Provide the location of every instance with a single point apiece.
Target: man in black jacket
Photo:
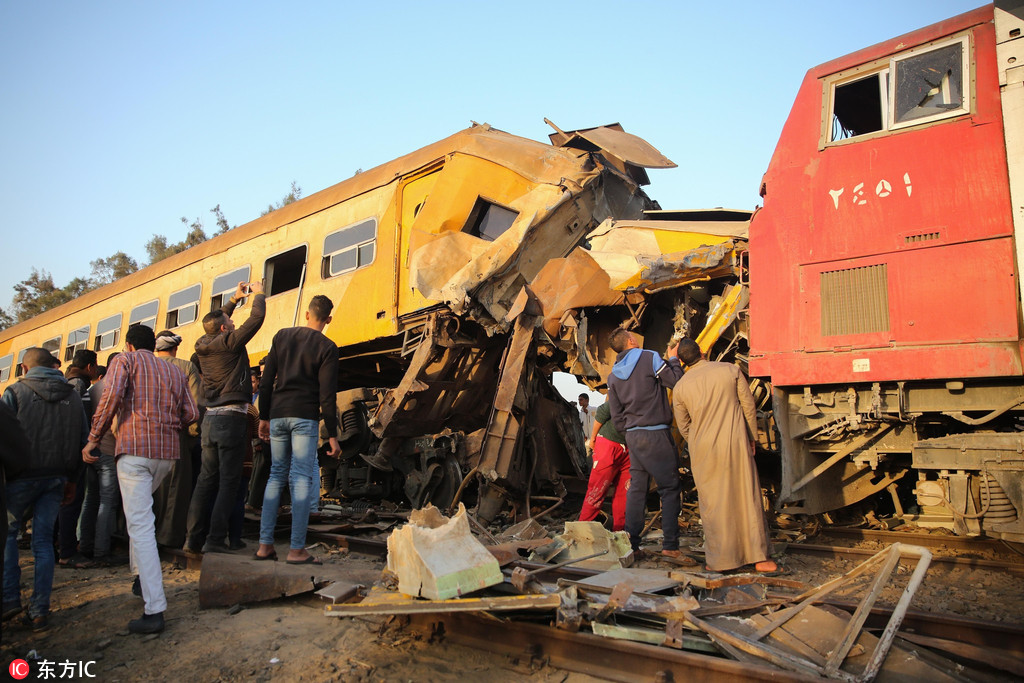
(226, 392)
(82, 373)
(15, 453)
(51, 413)
(297, 387)
(640, 411)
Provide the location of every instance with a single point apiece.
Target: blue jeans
(293, 442)
(44, 495)
(99, 510)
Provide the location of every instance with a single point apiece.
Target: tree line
(38, 292)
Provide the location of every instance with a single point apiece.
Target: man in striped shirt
(152, 403)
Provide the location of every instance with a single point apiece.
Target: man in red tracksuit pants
(611, 468)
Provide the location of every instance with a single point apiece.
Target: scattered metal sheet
(634, 633)
(617, 600)
(228, 579)
(983, 655)
(339, 591)
(815, 633)
(639, 634)
(710, 581)
(527, 530)
(568, 617)
(437, 557)
(399, 603)
(521, 576)
(642, 580)
(587, 538)
(830, 664)
(507, 553)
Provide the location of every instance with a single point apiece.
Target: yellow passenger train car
(480, 210)
(456, 228)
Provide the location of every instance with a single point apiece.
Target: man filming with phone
(226, 392)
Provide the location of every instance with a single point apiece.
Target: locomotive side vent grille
(923, 237)
(855, 300)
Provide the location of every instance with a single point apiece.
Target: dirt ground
(291, 639)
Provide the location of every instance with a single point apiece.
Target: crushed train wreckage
(474, 416)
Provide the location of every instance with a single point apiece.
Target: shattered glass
(929, 84)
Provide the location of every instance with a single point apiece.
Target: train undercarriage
(947, 454)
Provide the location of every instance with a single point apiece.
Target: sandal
(76, 562)
(308, 560)
(272, 557)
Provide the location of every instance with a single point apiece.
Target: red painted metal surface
(951, 297)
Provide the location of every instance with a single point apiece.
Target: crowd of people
(165, 440)
(630, 439)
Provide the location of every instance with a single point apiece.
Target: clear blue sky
(118, 118)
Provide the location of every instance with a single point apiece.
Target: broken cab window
(488, 221)
(858, 107)
(183, 306)
(284, 271)
(5, 367)
(18, 370)
(144, 314)
(349, 248)
(108, 333)
(77, 339)
(916, 87)
(225, 285)
(930, 85)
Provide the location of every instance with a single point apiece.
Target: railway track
(930, 541)
(968, 552)
(1011, 566)
(529, 645)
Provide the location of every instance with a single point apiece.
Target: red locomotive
(885, 292)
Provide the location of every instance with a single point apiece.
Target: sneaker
(148, 623)
(237, 545)
(11, 610)
(137, 587)
(37, 624)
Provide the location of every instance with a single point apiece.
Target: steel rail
(854, 553)
(933, 541)
(608, 658)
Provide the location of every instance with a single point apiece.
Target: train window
(183, 306)
(284, 271)
(108, 333)
(144, 314)
(77, 340)
(53, 346)
(5, 367)
(858, 107)
(488, 221)
(930, 85)
(18, 370)
(349, 248)
(915, 87)
(224, 286)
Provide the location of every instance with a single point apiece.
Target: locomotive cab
(885, 296)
